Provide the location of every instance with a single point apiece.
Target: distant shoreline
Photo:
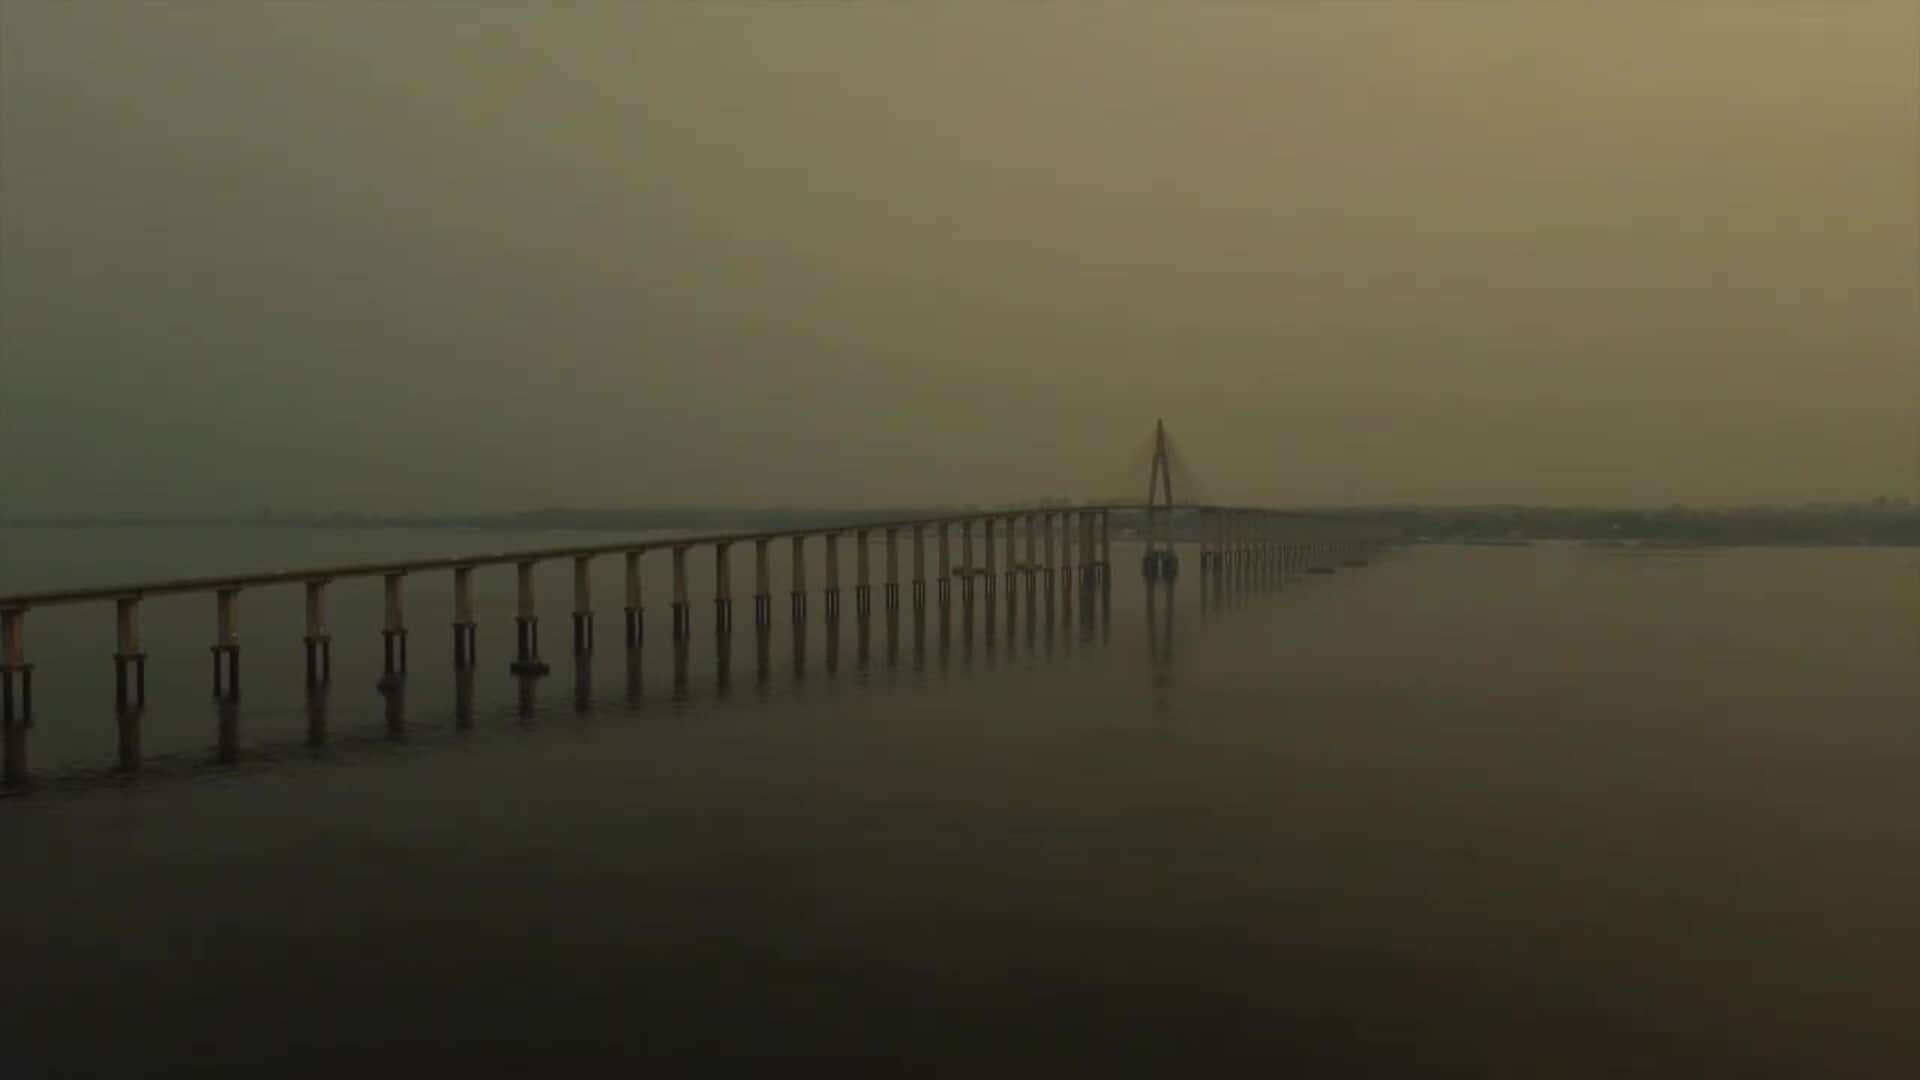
(1894, 524)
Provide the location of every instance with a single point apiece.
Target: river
(1549, 811)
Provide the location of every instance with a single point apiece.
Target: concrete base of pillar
(1160, 566)
(526, 660)
(226, 672)
(129, 681)
(393, 647)
(16, 717)
(464, 645)
(319, 655)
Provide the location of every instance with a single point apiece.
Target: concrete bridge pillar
(833, 579)
(1089, 554)
(1106, 546)
(464, 628)
(863, 588)
(944, 588)
(966, 564)
(682, 610)
(1013, 558)
(129, 680)
(526, 625)
(318, 643)
(582, 605)
(919, 571)
(762, 589)
(799, 569)
(1229, 532)
(1066, 555)
(130, 677)
(893, 571)
(226, 646)
(393, 633)
(634, 599)
(1046, 544)
(16, 697)
(722, 588)
(1247, 552)
(992, 576)
(1030, 568)
(226, 673)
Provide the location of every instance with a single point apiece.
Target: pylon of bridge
(1160, 563)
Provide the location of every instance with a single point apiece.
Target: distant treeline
(1784, 526)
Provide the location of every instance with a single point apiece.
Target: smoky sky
(486, 255)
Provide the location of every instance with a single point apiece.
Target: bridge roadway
(1239, 545)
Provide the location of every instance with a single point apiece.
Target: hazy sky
(407, 255)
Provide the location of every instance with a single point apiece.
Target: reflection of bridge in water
(1034, 572)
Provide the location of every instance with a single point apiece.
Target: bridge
(1050, 561)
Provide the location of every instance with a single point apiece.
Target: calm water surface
(1515, 812)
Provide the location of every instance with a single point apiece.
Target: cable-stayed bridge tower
(1160, 563)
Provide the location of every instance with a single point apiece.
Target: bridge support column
(129, 680)
(762, 588)
(863, 585)
(582, 605)
(919, 572)
(226, 647)
(966, 565)
(943, 587)
(1106, 547)
(526, 627)
(799, 569)
(833, 579)
(1046, 545)
(1013, 562)
(682, 613)
(393, 634)
(464, 636)
(722, 589)
(635, 600)
(1067, 569)
(226, 674)
(991, 579)
(16, 698)
(1089, 555)
(892, 596)
(317, 642)
(1243, 555)
(1030, 567)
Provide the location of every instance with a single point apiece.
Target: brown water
(1513, 812)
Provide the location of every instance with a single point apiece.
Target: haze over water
(1558, 811)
